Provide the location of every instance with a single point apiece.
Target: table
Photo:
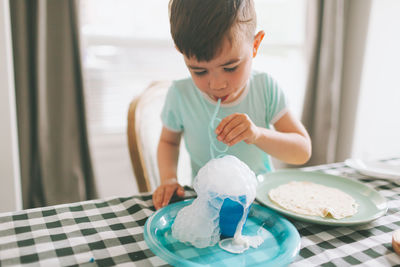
(108, 232)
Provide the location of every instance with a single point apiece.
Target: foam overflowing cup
(226, 188)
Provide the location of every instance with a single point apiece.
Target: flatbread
(308, 198)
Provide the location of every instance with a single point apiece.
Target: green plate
(371, 204)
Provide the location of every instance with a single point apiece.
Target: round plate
(375, 168)
(371, 204)
(281, 240)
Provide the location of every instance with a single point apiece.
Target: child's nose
(216, 83)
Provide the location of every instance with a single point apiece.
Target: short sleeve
(275, 100)
(170, 115)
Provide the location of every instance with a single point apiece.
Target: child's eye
(200, 73)
(230, 69)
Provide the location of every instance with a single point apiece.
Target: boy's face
(226, 75)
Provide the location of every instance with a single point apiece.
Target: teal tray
(281, 240)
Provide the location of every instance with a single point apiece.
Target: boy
(218, 42)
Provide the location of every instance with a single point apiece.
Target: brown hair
(199, 27)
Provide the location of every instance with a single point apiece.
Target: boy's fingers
(167, 195)
(235, 133)
(156, 203)
(180, 192)
(237, 139)
(223, 123)
(233, 123)
(163, 194)
(158, 197)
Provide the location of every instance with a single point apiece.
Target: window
(377, 129)
(127, 44)
(282, 52)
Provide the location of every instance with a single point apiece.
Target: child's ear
(257, 41)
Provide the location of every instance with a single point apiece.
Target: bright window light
(127, 44)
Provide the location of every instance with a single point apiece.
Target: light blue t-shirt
(189, 111)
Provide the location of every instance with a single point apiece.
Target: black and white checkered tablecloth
(110, 232)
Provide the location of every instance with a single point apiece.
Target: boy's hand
(235, 128)
(164, 192)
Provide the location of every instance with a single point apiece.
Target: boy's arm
(289, 143)
(167, 156)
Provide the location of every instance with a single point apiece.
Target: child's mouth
(223, 98)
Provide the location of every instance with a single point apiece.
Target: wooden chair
(143, 131)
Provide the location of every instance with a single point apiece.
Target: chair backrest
(144, 129)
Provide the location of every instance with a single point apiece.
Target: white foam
(221, 178)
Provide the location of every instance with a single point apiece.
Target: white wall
(10, 189)
(377, 132)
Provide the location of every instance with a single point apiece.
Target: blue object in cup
(230, 215)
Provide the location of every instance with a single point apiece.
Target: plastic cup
(230, 215)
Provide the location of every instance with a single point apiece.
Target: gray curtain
(54, 153)
(336, 34)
